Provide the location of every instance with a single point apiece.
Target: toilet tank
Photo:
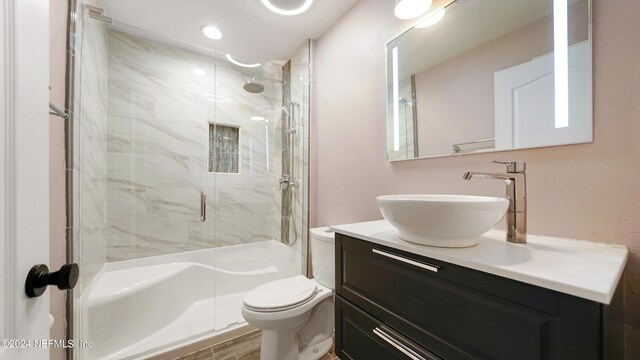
(323, 256)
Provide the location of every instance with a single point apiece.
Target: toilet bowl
(296, 314)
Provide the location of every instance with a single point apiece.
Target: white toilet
(296, 314)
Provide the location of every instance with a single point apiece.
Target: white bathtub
(136, 307)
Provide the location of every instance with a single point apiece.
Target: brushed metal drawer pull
(433, 268)
(397, 344)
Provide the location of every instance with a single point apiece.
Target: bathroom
(181, 182)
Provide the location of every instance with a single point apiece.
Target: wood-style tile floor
(246, 347)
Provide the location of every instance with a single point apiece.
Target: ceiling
(251, 32)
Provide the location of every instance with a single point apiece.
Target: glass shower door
(262, 127)
(177, 184)
(244, 161)
(142, 238)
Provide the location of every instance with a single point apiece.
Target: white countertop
(584, 269)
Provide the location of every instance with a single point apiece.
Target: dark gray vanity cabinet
(391, 304)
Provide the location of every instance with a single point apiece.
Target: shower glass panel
(299, 80)
(144, 244)
(178, 187)
(246, 211)
(90, 166)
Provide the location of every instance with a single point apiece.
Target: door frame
(24, 170)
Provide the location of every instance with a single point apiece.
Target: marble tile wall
(90, 150)
(159, 113)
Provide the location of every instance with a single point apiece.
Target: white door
(24, 172)
(525, 102)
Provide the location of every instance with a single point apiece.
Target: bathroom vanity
(541, 300)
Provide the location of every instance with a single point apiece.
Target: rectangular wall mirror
(490, 75)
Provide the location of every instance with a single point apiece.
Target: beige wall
(58, 36)
(588, 191)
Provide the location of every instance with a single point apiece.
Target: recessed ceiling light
(409, 9)
(211, 32)
(431, 19)
(216, 98)
(234, 61)
(257, 118)
(199, 72)
(286, 11)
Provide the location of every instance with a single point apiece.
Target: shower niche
(224, 149)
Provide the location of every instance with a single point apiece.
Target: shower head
(255, 87)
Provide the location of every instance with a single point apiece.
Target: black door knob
(39, 278)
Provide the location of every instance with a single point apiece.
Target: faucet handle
(512, 166)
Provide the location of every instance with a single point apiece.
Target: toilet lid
(281, 293)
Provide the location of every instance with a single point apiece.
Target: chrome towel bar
(57, 111)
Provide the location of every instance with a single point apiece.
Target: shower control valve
(286, 182)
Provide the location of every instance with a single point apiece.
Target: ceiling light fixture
(211, 32)
(410, 9)
(295, 11)
(431, 19)
(234, 61)
(199, 72)
(257, 118)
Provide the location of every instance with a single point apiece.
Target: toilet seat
(281, 295)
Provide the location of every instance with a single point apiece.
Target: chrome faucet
(515, 178)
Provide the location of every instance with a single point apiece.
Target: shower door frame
(69, 159)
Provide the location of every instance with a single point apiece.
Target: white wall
(588, 191)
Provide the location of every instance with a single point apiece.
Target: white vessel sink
(442, 220)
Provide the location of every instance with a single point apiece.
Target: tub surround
(579, 268)
(158, 124)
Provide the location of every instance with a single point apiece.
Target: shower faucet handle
(284, 182)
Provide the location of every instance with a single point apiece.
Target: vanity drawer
(364, 337)
(460, 313)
